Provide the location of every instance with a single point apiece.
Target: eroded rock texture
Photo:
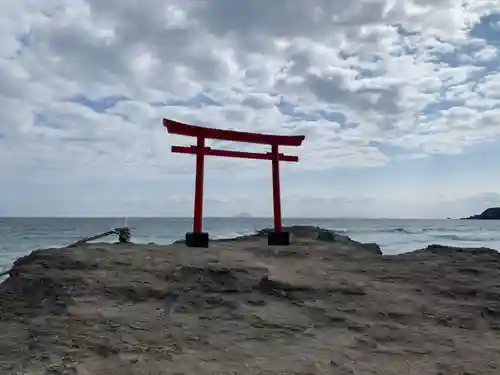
(320, 306)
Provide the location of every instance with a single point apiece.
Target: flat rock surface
(242, 307)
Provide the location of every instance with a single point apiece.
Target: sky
(399, 101)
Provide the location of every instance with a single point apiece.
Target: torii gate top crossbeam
(175, 127)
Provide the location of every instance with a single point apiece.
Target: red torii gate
(198, 238)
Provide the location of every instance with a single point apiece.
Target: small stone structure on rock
(124, 235)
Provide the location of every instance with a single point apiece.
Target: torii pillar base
(197, 239)
(278, 239)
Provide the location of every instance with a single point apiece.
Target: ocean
(20, 236)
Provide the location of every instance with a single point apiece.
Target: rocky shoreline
(325, 305)
(492, 213)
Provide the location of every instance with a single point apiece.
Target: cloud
(84, 83)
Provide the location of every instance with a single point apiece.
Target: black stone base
(123, 235)
(278, 239)
(197, 239)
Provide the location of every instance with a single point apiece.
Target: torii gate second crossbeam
(198, 238)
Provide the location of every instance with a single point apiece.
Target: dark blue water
(19, 236)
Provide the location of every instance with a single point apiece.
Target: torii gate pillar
(198, 238)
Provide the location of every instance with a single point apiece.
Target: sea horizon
(237, 217)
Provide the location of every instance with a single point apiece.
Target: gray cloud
(172, 59)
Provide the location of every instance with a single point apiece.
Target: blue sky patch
(488, 29)
(100, 105)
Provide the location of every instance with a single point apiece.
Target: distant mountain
(492, 213)
(243, 215)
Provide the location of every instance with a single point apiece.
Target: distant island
(492, 213)
(243, 215)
